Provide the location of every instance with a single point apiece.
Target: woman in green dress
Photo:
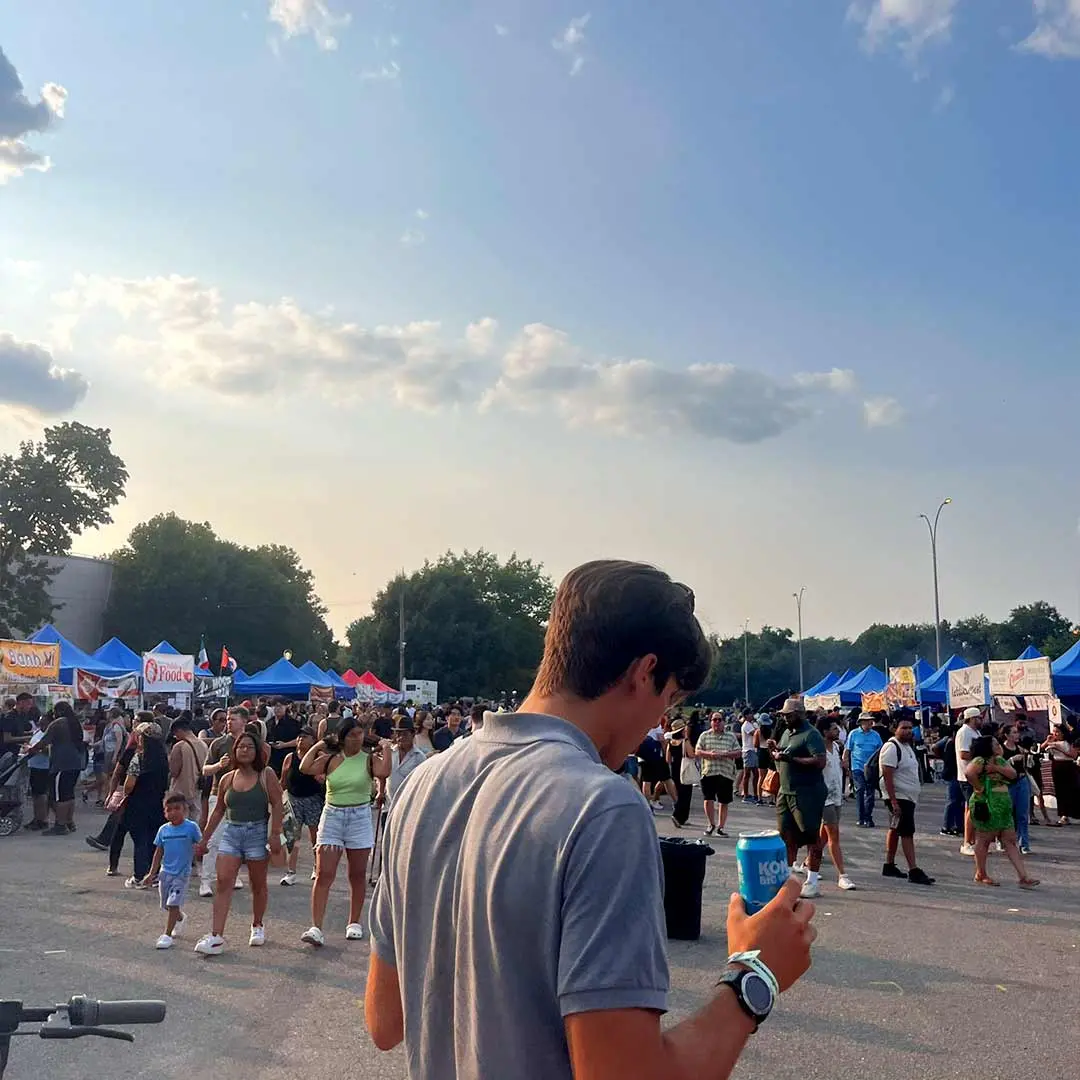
(991, 809)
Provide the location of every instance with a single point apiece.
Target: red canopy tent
(351, 677)
(369, 687)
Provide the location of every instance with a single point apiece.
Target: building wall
(80, 591)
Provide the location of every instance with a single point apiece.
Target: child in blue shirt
(174, 847)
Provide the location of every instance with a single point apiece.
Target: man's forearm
(707, 1045)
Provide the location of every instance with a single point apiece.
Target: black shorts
(717, 788)
(903, 820)
(655, 772)
(39, 781)
(801, 815)
(62, 785)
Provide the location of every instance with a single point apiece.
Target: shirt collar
(523, 728)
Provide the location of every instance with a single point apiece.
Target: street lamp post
(798, 605)
(933, 527)
(746, 662)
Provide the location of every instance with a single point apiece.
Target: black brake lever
(78, 1032)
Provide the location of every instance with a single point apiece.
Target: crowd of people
(213, 792)
(808, 765)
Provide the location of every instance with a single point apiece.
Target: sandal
(1028, 882)
(986, 881)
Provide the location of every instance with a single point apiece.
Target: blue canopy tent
(315, 674)
(823, 685)
(281, 679)
(935, 690)
(72, 657)
(116, 654)
(923, 670)
(1066, 672)
(342, 689)
(165, 647)
(869, 680)
(1030, 653)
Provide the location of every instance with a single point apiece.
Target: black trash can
(684, 880)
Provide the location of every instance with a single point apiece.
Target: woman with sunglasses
(350, 762)
(249, 799)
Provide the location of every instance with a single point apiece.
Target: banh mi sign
(30, 661)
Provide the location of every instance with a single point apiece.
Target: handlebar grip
(87, 1012)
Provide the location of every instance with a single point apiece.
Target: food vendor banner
(90, 687)
(321, 695)
(900, 690)
(168, 673)
(874, 701)
(967, 687)
(212, 688)
(1020, 677)
(29, 661)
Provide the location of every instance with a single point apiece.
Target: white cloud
(882, 412)
(571, 42)
(912, 24)
(20, 117)
(422, 214)
(389, 72)
(412, 237)
(501, 30)
(945, 97)
(314, 17)
(31, 380)
(182, 334)
(1057, 30)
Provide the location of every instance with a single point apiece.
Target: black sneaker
(96, 844)
(56, 830)
(945, 832)
(870, 825)
(890, 869)
(919, 877)
(36, 826)
(676, 823)
(70, 826)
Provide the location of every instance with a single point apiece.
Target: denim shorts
(172, 889)
(348, 827)
(244, 840)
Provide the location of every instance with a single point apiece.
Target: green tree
(178, 580)
(50, 492)
(1039, 624)
(472, 622)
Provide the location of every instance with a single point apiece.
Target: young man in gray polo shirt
(518, 927)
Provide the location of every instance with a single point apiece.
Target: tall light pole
(798, 605)
(746, 662)
(933, 526)
(401, 637)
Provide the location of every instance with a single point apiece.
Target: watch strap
(753, 962)
(735, 978)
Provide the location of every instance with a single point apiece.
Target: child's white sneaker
(164, 942)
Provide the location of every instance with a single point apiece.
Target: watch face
(757, 994)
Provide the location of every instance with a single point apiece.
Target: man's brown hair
(611, 612)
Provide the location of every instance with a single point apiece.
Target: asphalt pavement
(956, 980)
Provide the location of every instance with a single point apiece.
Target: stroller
(12, 792)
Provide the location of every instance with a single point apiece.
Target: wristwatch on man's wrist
(752, 992)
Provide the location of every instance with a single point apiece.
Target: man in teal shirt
(862, 744)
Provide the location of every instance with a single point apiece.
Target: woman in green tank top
(249, 799)
(353, 765)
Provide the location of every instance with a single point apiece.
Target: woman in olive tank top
(353, 776)
(249, 799)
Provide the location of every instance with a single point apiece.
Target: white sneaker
(967, 849)
(354, 932)
(800, 867)
(845, 883)
(181, 923)
(313, 936)
(998, 847)
(205, 889)
(164, 942)
(810, 892)
(210, 945)
(258, 936)
(135, 883)
(239, 883)
(314, 873)
(288, 878)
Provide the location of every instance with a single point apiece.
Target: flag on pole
(203, 662)
(228, 664)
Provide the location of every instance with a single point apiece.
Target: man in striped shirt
(720, 753)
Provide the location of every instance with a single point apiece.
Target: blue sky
(737, 287)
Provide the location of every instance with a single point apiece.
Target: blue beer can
(763, 867)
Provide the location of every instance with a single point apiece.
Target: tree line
(473, 621)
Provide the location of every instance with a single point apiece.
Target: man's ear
(639, 675)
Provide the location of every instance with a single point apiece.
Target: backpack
(872, 769)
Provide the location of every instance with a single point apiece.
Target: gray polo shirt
(522, 883)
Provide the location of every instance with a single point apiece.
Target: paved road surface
(953, 981)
